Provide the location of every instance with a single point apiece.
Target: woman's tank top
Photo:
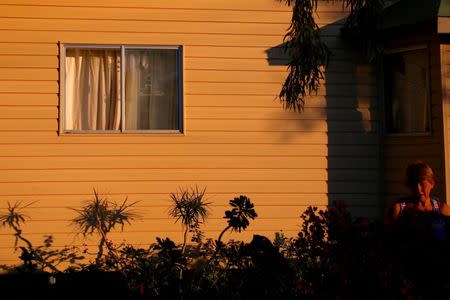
(437, 219)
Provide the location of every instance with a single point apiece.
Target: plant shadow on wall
(36, 258)
(341, 116)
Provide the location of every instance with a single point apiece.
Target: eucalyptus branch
(363, 25)
(309, 55)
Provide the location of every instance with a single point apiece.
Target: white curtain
(151, 95)
(92, 89)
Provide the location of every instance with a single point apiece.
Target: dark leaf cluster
(242, 210)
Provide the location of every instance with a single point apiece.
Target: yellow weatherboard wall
(237, 139)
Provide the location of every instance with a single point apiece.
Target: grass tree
(189, 207)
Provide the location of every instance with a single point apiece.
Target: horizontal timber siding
(237, 140)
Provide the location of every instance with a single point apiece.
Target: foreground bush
(334, 256)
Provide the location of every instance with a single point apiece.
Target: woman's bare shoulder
(396, 208)
(393, 211)
(445, 209)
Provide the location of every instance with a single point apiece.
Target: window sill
(128, 133)
(412, 134)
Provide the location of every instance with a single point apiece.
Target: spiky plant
(189, 207)
(99, 216)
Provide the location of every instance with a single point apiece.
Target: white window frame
(385, 102)
(122, 47)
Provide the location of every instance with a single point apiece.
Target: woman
(420, 181)
(420, 240)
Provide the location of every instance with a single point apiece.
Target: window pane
(151, 89)
(407, 92)
(92, 89)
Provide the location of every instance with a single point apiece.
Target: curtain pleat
(92, 94)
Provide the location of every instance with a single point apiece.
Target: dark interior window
(407, 96)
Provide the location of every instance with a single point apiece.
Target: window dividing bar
(122, 88)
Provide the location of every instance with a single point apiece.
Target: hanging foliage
(363, 25)
(309, 55)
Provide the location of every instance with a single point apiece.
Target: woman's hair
(418, 172)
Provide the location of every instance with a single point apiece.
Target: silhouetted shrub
(334, 256)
